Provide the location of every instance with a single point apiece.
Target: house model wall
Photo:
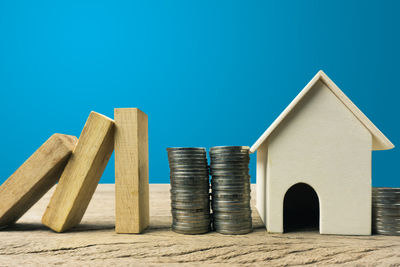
(324, 141)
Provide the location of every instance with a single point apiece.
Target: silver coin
(214, 172)
(379, 206)
(385, 214)
(195, 160)
(185, 231)
(191, 224)
(230, 231)
(202, 178)
(188, 207)
(230, 207)
(387, 227)
(187, 156)
(192, 213)
(230, 182)
(190, 202)
(229, 172)
(228, 177)
(194, 224)
(192, 228)
(190, 171)
(190, 182)
(200, 188)
(196, 191)
(386, 203)
(179, 199)
(196, 179)
(228, 218)
(231, 196)
(230, 159)
(383, 207)
(385, 189)
(194, 149)
(176, 171)
(189, 217)
(219, 148)
(177, 187)
(394, 198)
(225, 201)
(229, 165)
(189, 193)
(199, 204)
(176, 203)
(233, 223)
(233, 192)
(180, 190)
(217, 209)
(193, 220)
(229, 187)
(188, 165)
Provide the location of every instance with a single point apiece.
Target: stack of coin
(230, 184)
(386, 210)
(190, 199)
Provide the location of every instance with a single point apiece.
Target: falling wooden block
(131, 171)
(81, 175)
(34, 178)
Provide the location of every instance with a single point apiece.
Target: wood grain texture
(81, 175)
(94, 243)
(131, 171)
(35, 177)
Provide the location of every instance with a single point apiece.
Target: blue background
(206, 72)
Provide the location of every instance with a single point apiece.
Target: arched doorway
(300, 209)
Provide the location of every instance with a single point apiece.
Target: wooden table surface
(94, 242)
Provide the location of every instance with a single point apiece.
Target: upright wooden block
(81, 175)
(34, 178)
(131, 171)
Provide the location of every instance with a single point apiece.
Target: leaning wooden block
(34, 178)
(131, 171)
(81, 175)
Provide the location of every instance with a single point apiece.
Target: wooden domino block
(34, 178)
(81, 175)
(131, 171)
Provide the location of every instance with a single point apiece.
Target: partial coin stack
(386, 210)
(190, 199)
(230, 185)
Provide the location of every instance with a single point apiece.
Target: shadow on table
(21, 227)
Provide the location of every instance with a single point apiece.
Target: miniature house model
(314, 163)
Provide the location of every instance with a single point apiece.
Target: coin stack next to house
(190, 199)
(386, 210)
(230, 185)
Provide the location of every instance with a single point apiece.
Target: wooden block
(81, 175)
(131, 171)
(34, 178)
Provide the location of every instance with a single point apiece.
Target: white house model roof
(379, 140)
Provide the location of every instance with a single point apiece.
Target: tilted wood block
(81, 175)
(34, 178)
(131, 171)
